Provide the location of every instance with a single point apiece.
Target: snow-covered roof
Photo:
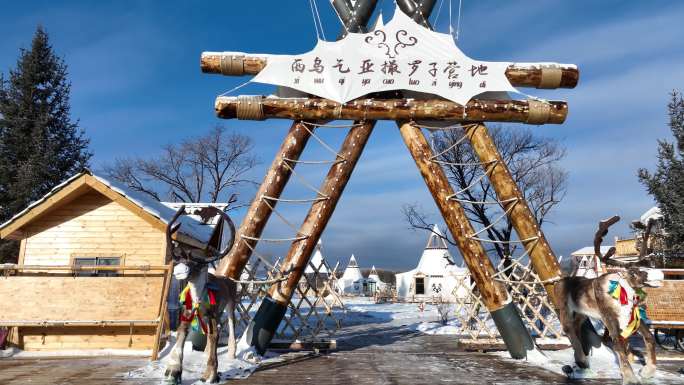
(189, 226)
(317, 261)
(589, 250)
(436, 239)
(436, 259)
(352, 272)
(652, 213)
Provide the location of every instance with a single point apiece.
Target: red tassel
(623, 296)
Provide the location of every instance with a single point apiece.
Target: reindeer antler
(598, 239)
(644, 240)
(172, 227)
(226, 220)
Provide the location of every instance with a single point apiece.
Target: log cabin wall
(89, 226)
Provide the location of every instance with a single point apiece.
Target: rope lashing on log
(276, 240)
(541, 282)
(534, 75)
(538, 112)
(551, 77)
(232, 65)
(249, 108)
(476, 110)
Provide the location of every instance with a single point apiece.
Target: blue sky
(134, 66)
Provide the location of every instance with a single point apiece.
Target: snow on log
(520, 111)
(536, 75)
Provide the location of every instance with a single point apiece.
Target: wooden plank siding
(92, 225)
(75, 337)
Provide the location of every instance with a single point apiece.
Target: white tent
(436, 277)
(317, 260)
(373, 276)
(350, 282)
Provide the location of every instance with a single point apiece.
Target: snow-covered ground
(603, 363)
(363, 311)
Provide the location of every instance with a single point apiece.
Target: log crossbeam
(365, 112)
(519, 111)
(532, 75)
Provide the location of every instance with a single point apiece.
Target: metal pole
(543, 259)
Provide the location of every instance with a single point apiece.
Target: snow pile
(603, 363)
(194, 364)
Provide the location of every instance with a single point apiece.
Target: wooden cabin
(93, 269)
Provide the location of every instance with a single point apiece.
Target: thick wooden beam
(263, 326)
(320, 212)
(266, 197)
(543, 259)
(494, 295)
(482, 270)
(261, 107)
(534, 75)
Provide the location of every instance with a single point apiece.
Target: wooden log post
(280, 171)
(273, 307)
(494, 295)
(542, 257)
(534, 75)
(265, 199)
(520, 111)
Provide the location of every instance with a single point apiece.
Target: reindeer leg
(580, 355)
(211, 371)
(620, 347)
(174, 369)
(231, 329)
(649, 370)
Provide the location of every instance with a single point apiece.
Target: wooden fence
(68, 307)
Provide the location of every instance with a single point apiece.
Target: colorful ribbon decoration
(637, 314)
(195, 319)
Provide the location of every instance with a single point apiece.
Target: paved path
(369, 354)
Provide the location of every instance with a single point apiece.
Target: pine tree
(40, 145)
(666, 183)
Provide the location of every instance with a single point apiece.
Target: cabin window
(420, 286)
(97, 261)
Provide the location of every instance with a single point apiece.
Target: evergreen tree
(40, 145)
(666, 183)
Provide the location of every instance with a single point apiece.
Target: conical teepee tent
(373, 276)
(351, 275)
(317, 261)
(436, 275)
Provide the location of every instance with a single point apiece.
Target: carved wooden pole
(494, 295)
(520, 111)
(280, 171)
(542, 257)
(266, 197)
(273, 307)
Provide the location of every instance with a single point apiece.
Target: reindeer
(582, 297)
(192, 265)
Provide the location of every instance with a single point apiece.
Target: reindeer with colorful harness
(204, 298)
(616, 299)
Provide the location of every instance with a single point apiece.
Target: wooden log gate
(308, 113)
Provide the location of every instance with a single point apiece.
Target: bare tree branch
(205, 168)
(534, 165)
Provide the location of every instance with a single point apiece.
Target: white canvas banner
(401, 55)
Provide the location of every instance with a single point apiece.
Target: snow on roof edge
(189, 226)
